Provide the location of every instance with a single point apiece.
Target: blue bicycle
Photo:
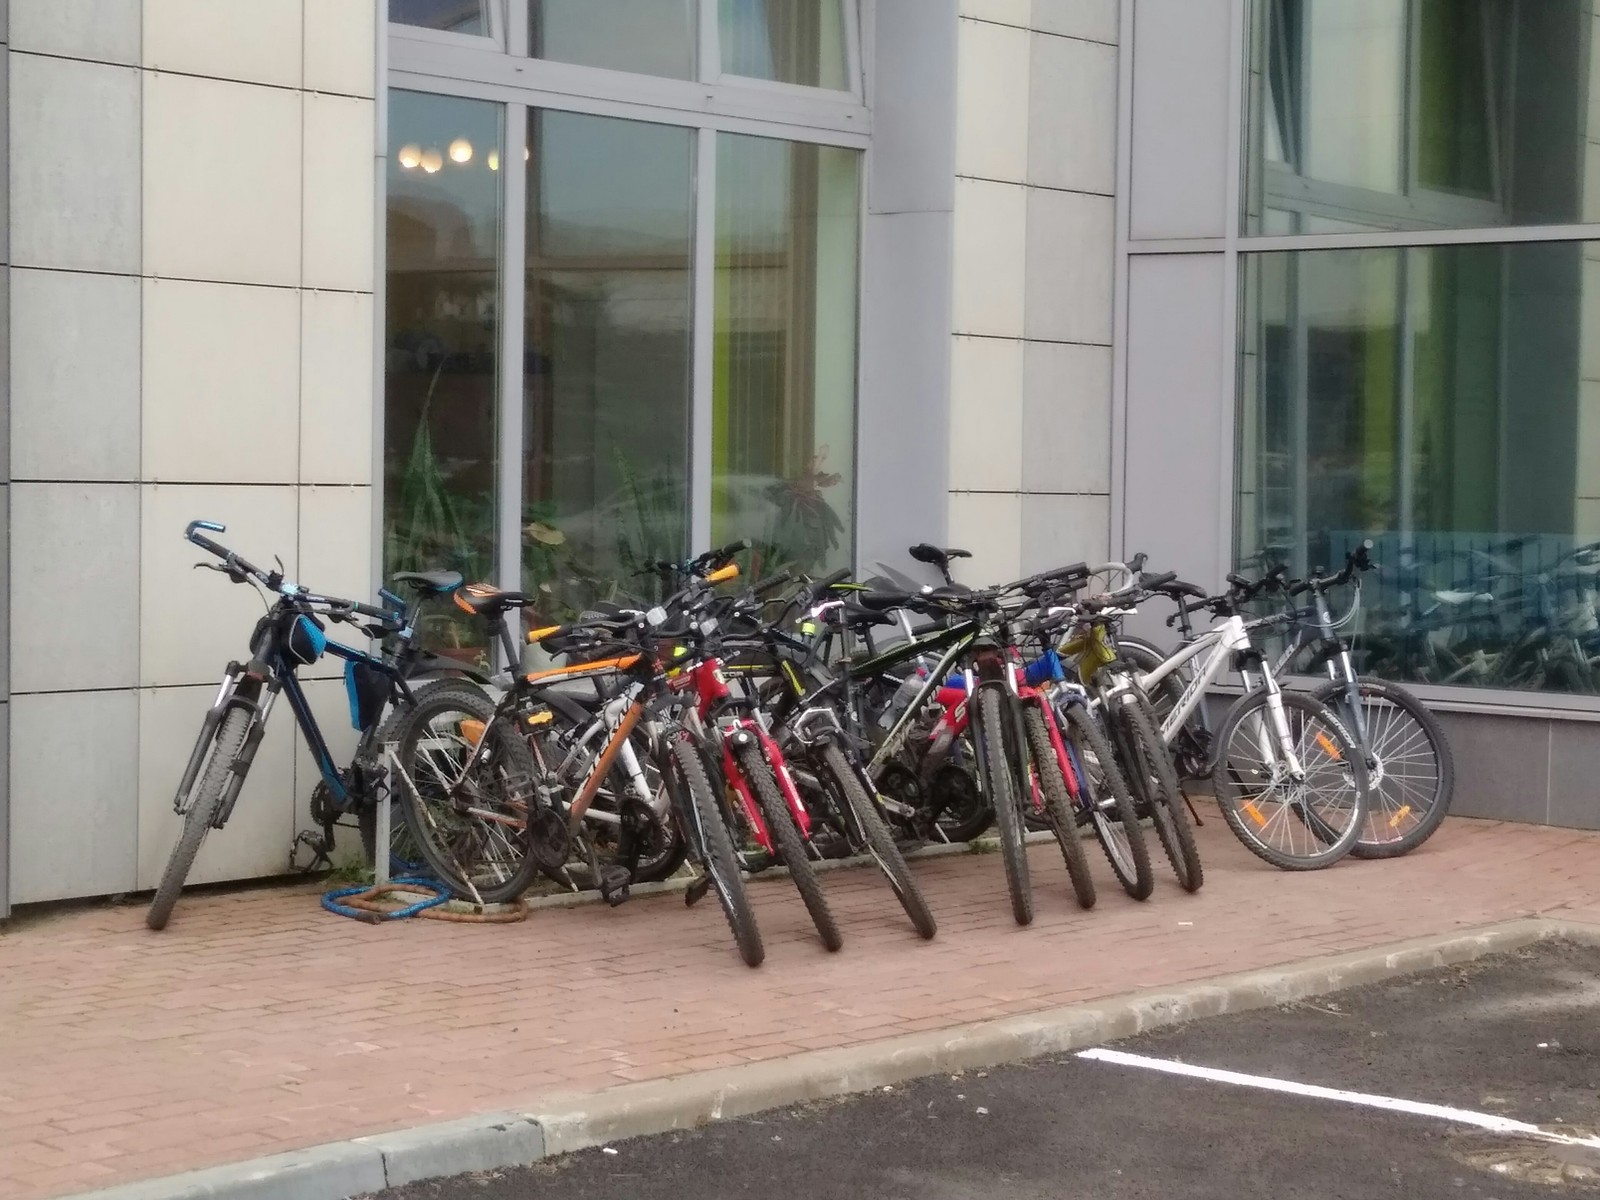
(293, 634)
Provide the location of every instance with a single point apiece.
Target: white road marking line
(1417, 1108)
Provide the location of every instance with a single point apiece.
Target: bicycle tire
(207, 796)
(1325, 845)
(1155, 781)
(880, 843)
(1189, 747)
(367, 818)
(463, 867)
(1058, 804)
(1121, 837)
(1000, 782)
(717, 855)
(1378, 807)
(758, 776)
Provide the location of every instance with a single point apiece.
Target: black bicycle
(293, 634)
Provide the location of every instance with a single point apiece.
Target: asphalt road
(1515, 1036)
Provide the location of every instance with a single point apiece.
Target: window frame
(422, 34)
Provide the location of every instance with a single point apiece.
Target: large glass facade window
(442, 330)
(448, 16)
(607, 353)
(1409, 114)
(1443, 401)
(615, 327)
(785, 360)
(651, 37)
(785, 41)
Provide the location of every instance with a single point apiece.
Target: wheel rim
(475, 821)
(1403, 780)
(1302, 817)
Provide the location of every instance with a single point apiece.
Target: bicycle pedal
(696, 891)
(615, 885)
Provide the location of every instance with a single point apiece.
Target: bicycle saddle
(438, 582)
(486, 600)
(934, 556)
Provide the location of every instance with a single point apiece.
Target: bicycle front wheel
(1411, 774)
(1052, 784)
(842, 779)
(999, 781)
(708, 830)
(759, 777)
(1109, 803)
(203, 805)
(1150, 773)
(468, 794)
(1297, 820)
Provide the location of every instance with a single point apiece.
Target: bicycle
(289, 636)
(1290, 779)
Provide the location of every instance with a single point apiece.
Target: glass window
(651, 37)
(1407, 114)
(784, 381)
(1444, 402)
(608, 354)
(441, 335)
(451, 16)
(786, 41)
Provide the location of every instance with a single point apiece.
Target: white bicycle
(1288, 775)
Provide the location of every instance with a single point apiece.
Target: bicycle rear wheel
(1411, 774)
(203, 805)
(757, 772)
(999, 781)
(1110, 804)
(468, 796)
(1058, 804)
(1296, 824)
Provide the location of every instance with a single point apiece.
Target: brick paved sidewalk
(258, 1023)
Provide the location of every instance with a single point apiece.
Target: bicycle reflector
(306, 640)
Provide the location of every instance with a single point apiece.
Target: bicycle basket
(368, 689)
(306, 640)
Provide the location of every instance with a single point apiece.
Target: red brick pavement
(258, 1023)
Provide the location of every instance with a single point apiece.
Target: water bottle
(903, 696)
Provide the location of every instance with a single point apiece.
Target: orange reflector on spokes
(1249, 806)
(472, 730)
(1394, 821)
(1328, 747)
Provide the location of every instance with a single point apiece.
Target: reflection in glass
(608, 354)
(1444, 402)
(440, 341)
(784, 380)
(786, 41)
(452, 16)
(1407, 114)
(649, 37)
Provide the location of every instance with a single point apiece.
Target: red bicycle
(730, 731)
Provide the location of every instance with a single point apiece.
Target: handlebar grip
(828, 581)
(1299, 586)
(1239, 581)
(772, 583)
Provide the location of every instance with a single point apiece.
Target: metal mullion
(518, 40)
(702, 400)
(709, 65)
(1389, 238)
(513, 293)
(854, 13)
(1229, 432)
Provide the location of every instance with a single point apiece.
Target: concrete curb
(559, 1125)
